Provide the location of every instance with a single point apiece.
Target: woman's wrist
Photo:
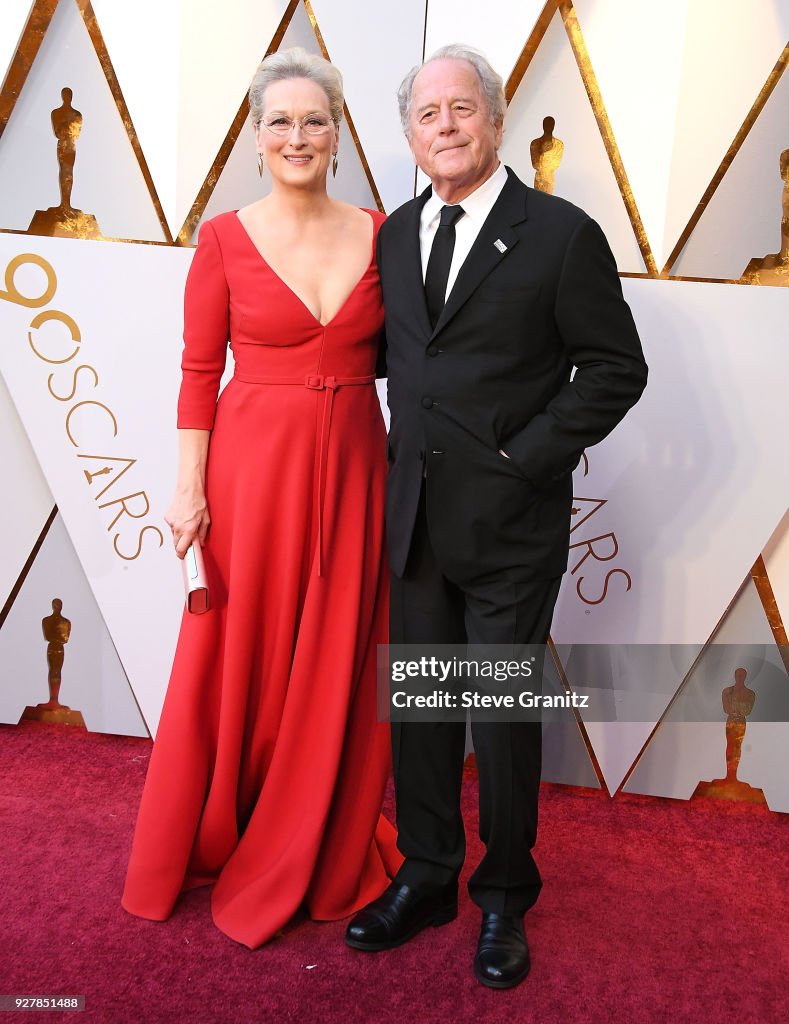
(190, 483)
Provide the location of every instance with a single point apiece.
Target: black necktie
(440, 261)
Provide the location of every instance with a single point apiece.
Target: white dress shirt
(476, 208)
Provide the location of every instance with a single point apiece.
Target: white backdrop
(674, 508)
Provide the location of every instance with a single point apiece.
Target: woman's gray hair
(296, 63)
(490, 82)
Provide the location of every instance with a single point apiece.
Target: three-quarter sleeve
(206, 332)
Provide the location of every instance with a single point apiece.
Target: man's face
(452, 138)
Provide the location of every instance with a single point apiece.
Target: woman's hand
(188, 515)
(188, 518)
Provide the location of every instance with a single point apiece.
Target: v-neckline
(293, 292)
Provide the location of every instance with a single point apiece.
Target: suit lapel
(409, 258)
(494, 243)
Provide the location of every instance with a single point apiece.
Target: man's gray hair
(296, 63)
(490, 82)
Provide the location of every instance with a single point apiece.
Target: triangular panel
(689, 477)
(105, 436)
(776, 564)
(107, 180)
(22, 517)
(628, 689)
(637, 51)
(498, 28)
(239, 182)
(204, 56)
(92, 678)
(13, 18)
(231, 40)
(689, 746)
(675, 107)
(552, 87)
(716, 95)
(565, 756)
(647, 567)
(743, 218)
(376, 43)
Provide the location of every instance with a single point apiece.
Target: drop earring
(260, 165)
(334, 166)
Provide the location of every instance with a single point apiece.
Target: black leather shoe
(502, 959)
(398, 914)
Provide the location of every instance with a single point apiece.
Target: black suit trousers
(501, 608)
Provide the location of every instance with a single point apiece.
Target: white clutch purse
(195, 582)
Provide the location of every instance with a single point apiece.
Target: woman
(269, 766)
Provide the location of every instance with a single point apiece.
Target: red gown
(269, 766)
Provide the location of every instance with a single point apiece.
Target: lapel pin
(500, 245)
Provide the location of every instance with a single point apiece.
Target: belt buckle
(315, 382)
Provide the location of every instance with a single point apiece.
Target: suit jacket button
(432, 350)
(427, 403)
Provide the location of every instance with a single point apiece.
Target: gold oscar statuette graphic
(774, 268)
(64, 221)
(57, 630)
(738, 701)
(546, 155)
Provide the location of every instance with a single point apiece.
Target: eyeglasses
(312, 124)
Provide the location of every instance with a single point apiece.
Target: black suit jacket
(496, 373)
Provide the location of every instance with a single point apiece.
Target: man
(493, 292)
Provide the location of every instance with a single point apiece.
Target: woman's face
(298, 159)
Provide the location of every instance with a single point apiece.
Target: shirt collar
(476, 206)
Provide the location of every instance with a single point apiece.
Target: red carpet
(652, 910)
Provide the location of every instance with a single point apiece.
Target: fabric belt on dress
(316, 382)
